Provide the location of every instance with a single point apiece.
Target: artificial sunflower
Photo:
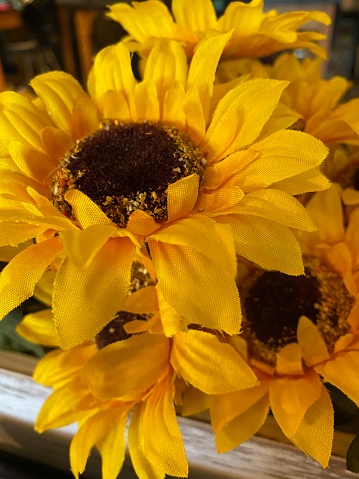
(121, 378)
(298, 334)
(254, 33)
(161, 164)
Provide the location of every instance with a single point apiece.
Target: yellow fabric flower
(254, 33)
(211, 176)
(297, 335)
(317, 100)
(138, 376)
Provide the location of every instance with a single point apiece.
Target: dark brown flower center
(273, 303)
(115, 331)
(123, 167)
(349, 176)
(299, 125)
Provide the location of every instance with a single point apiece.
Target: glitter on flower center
(123, 167)
(115, 331)
(273, 303)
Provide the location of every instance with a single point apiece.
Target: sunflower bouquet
(193, 233)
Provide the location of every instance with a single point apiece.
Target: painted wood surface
(259, 458)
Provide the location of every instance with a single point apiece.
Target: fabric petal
(182, 196)
(315, 433)
(343, 373)
(163, 442)
(112, 448)
(18, 278)
(281, 155)
(91, 432)
(204, 19)
(83, 245)
(290, 398)
(311, 343)
(226, 407)
(129, 360)
(39, 328)
(241, 115)
(289, 360)
(208, 295)
(208, 364)
(102, 287)
(140, 461)
(243, 427)
(58, 91)
(270, 245)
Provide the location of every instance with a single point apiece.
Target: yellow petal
(343, 373)
(85, 116)
(203, 235)
(173, 106)
(205, 17)
(277, 206)
(142, 301)
(270, 245)
(147, 102)
(208, 364)
(243, 427)
(112, 448)
(290, 398)
(86, 211)
(18, 278)
(241, 115)
(289, 360)
(58, 91)
(141, 223)
(310, 180)
(112, 71)
(83, 245)
(203, 67)
(311, 343)
(144, 20)
(56, 142)
(165, 65)
(92, 432)
(39, 328)
(281, 155)
(226, 407)
(315, 433)
(164, 449)
(182, 196)
(86, 299)
(139, 361)
(31, 162)
(140, 461)
(208, 295)
(59, 367)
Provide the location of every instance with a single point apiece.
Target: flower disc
(274, 302)
(127, 166)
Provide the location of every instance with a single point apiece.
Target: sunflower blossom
(161, 164)
(130, 379)
(298, 334)
(254, 34)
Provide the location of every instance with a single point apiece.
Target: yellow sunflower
(318, 101)
(161, 164)
(100, 383)
(254, 33)
(299, 333)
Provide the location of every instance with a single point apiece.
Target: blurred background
(41, 35)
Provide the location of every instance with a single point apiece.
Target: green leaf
(353, 455)
(11, 340)
(344, 409)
